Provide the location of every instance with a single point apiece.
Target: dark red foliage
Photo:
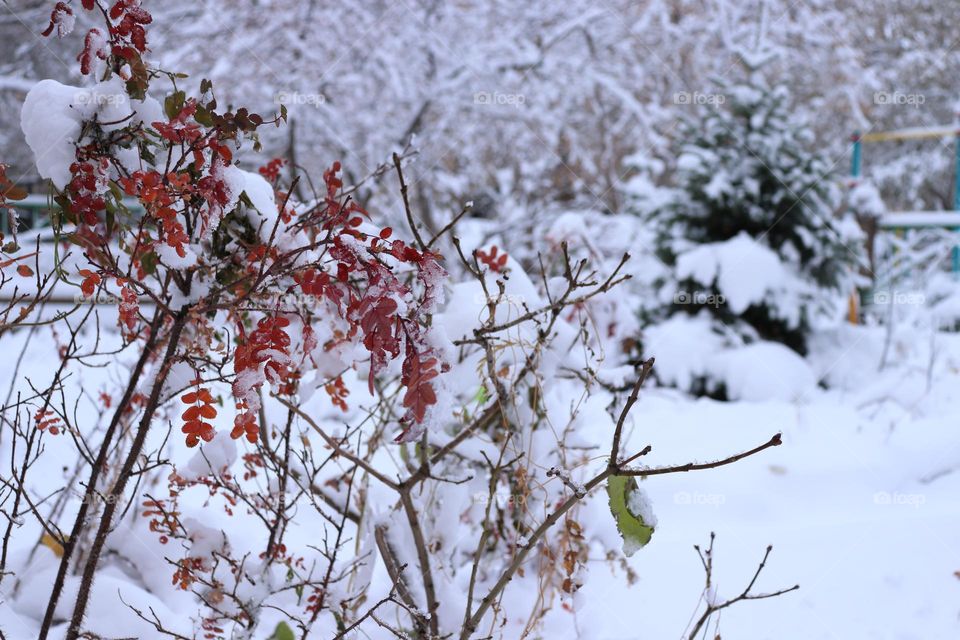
(48, 421)
(271, 170)
(59, 17)
(267, 346)
(89, 283)
(418, 372)
(94, 47)
(88, 183)
(200, 410)
(129, 305)
(491, 259)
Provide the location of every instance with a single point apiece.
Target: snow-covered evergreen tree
(751, 235)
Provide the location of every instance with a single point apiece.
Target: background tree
(751, 234)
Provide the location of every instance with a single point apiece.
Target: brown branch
(552, 519)
(90, 493)
(618, 432)
(395, 570)
(706, 558)
(449, 225)
(406, 205)
(338, 448)
(775, 441)
(563, 302)
(423, 556)
(116, 492)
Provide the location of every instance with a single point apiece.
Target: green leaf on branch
(630, 509)
(283, 632)
(482, 396)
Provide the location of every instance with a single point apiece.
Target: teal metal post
(855, 160)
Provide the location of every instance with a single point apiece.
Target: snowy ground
(861, 504)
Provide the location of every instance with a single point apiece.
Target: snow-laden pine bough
(455, 449)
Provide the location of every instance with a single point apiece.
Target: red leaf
(420, 393)
(90, 282)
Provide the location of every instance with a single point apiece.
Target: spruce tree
(751, 233)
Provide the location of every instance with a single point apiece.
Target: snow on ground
(861, 505)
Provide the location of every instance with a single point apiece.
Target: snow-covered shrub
(751, 234)
(267, 414)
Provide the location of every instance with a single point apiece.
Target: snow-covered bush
(751, 234)
(180, 469)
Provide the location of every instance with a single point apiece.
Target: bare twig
(706, 558)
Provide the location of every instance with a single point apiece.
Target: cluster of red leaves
(314, 283)
(164, 519)
(417, 374)
(184, 130)
(268, 346)
(8, 190)
(47, 421)
(211, 628)
(181, 130)
(95, 47)
(492, 259)
(372, 309)
(126, 37)
(159, 197)
(382, 311)
(194, 418)
(251, 463)
(374, 313)
(271, 170)
(88, 182)
(129, 305)
(90, 282)
(338, 392)
(61, 19)
(315, 601)
(185, 575)
(338, 212)
(127, 34)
